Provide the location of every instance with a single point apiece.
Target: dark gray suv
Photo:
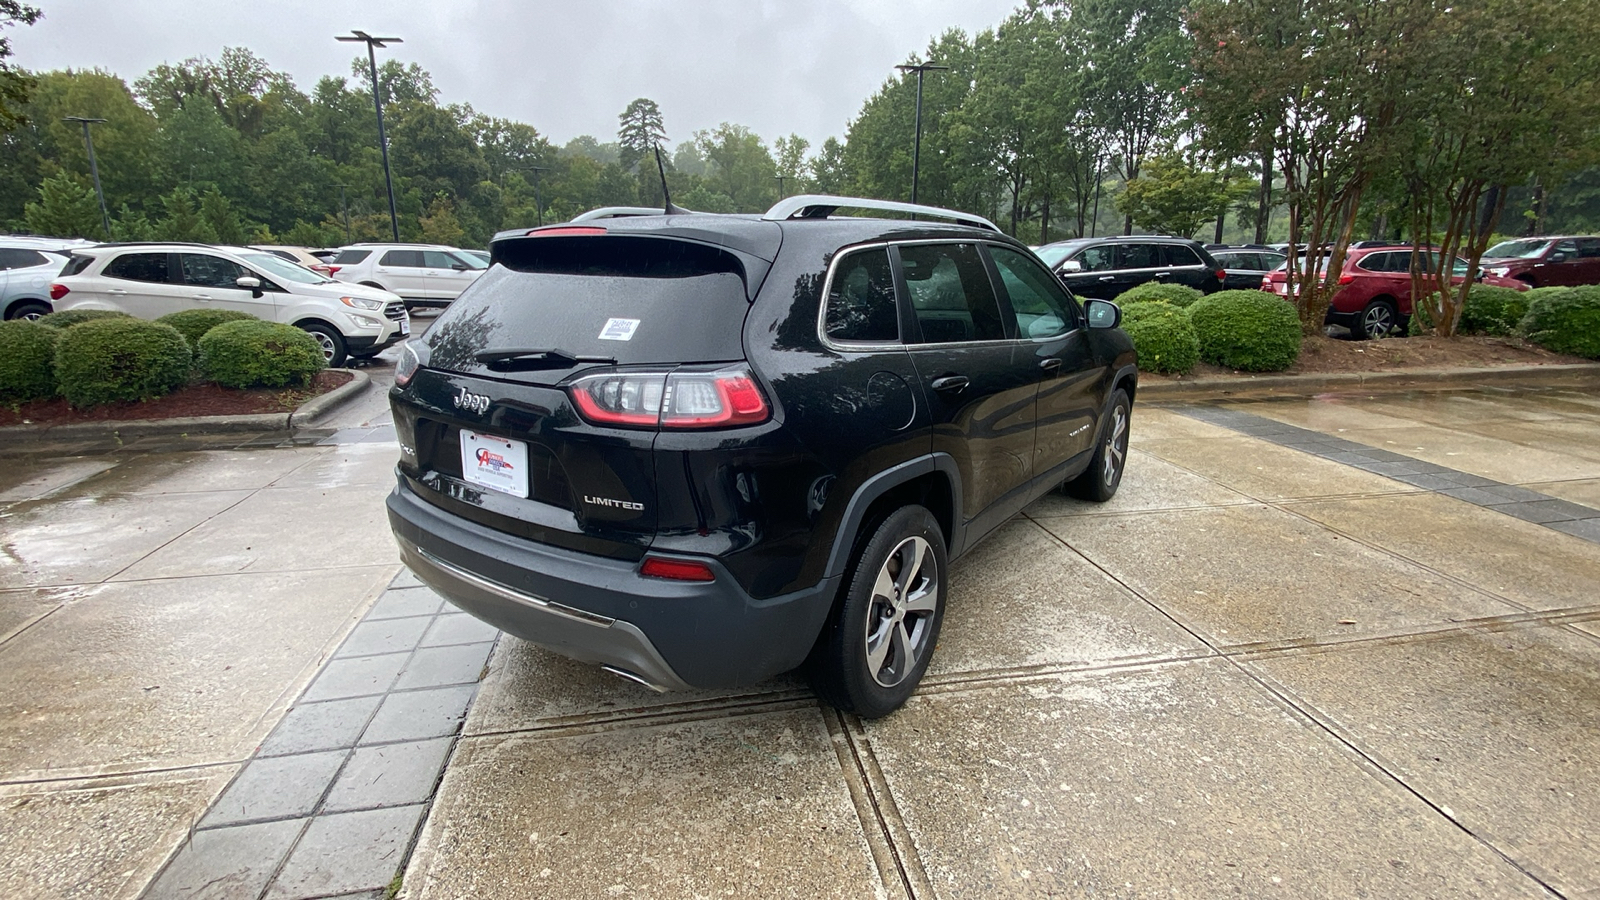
(701, 450)
(1105, 267)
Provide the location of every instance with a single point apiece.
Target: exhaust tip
(636, 679)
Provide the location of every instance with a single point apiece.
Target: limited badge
(619, 329)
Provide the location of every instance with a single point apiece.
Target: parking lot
(1347, 646)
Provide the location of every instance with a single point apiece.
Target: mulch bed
(1322, 355)
(194, 400)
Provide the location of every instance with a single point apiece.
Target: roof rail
(620, 212)
(821, 206)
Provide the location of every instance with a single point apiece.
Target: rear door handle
(952, 383)
(118, 291)
(1050, 364)
(1108, 278)
(1162, 274)
(204, 297)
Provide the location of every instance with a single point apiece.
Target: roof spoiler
(821, 206)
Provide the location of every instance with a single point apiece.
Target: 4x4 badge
(465, 399)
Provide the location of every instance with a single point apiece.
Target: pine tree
(67, 208)
(641, 131)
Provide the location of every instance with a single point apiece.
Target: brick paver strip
(1518, 502)
(331, 801)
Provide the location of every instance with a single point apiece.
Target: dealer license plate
(494, 462)
(405, 324)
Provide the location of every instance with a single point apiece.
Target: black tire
(1378, 319)
(333, 348)
(28, 309)
(872, 619)
(1099, 482)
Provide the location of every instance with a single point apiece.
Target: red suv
(1546, 261)
(1375, 297)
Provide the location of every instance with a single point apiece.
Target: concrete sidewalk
(1295, 656)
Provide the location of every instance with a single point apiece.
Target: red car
(1374, 299)
(1546, 261)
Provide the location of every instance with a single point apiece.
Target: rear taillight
(325, 269)
(676, 569)
(1346, 279)
(57, 291)
(1222, 274)
(566, 231)
(722, 398)
(410, 362)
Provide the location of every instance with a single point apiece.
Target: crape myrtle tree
(1513, 97)
(1321, 84)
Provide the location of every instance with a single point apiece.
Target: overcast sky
(567, 68)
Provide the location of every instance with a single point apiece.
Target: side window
(1588, 248)
(1138, 256)
(149, 267)
(408, 259)
(17, 258)
(1270, 261)
(350, 257)
(202, 270)
(951, 293)
(861, 299)
(1041, 307)
(1230, 260)
(1097, 259)
(1377, 262)
(1179, 255)
(1569, 247)
(438, 259)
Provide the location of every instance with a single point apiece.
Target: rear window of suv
(349, 257)
(637, 300)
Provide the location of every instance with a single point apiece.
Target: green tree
(640, 130)
(221, 218)
(14, 83)
(440, 225)
(182, 221)
(1170, 196)
(826, 170)
(793, 172)
(66, 207)
(742, 168)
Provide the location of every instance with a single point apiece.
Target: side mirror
(460, 267)
(1102, 314)
(1557, 256)
(1071, 266)
(251, 283)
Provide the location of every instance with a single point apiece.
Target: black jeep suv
(1105, 267)
(705, 449)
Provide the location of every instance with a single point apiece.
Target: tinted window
(284, 254)
(951, 293)
(1589, 248)
(202, 270)
(76, 264)
(1041, 307)
(410, 259)
(350, 257)
(1231, 259)
(1138, 256)
(1097, 259)
(1386, 262)
(861, 299)
(1179, 255)
(685, 303)
(12, 258)
(151, 267)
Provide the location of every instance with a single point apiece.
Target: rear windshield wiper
(524, 359)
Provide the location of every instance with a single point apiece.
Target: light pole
(538, 205)
(916, 151)
(377, 101)
(783, 182)
(344, 207)
(94, 168)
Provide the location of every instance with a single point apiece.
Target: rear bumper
(671, 635)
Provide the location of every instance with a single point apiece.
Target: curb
(1288, 386)
(195, 425)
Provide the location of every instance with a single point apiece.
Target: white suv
(151, 280)
(27, 266)
(422, 274)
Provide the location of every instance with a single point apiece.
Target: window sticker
(619, 329)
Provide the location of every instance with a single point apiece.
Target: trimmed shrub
(1180, 295)
(27, 361)
(1163, 336)
(1141, 308)
(70, 317)
(1566, 321)
(120, 359)
(194, 323)
(1492, 310)
(1251, 331)
(255, 353)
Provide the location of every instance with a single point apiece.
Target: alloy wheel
(905, 597)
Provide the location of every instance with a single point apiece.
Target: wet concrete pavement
(1269, 667)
